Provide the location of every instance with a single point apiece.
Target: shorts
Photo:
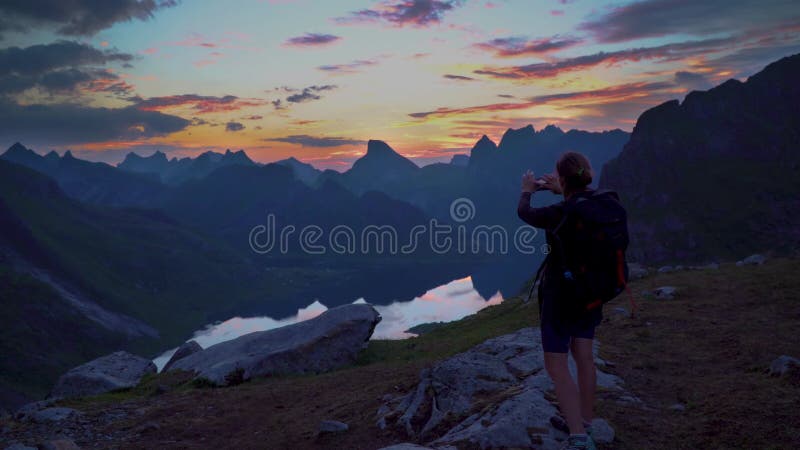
(557, 340)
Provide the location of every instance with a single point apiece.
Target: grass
(707, 349)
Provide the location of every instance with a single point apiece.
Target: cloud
(458, 77)
(234, 126)
(77, 17)
(516, 46)
(311, 40)
(203, 104)
(692, 81)
(253, 117)
(506, 96)
(305, 140)
(62, 124)
(41, 58)
(309, 93)
(618, 92)
(353, 67)
(654, 18)
(278, 104)
(58, 67)
(667, 52)
(417, 13)
(610, 94)
(447, 112)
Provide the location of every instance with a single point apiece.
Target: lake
(444, 303)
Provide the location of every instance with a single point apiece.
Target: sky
(317, 79)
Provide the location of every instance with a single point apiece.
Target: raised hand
(529, 182)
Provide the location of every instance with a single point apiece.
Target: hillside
(717, 175)
(727, 398)
(137, 275)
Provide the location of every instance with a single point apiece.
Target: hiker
(570, 307)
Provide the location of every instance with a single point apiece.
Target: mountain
(91, 182)
(380, 167)
(460, 160)
(80, 279)
(717, 175)
(176, 171)
(304, 172)
(243, 196)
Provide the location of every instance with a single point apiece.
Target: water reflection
(445, 303)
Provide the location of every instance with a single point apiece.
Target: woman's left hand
(529, 183)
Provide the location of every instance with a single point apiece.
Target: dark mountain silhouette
(176, 171)
(243, 196)
(304, 172)
(717, 175)
(91, 182)
(459, 160)
(379, 167)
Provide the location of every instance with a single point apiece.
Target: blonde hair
(576, 171)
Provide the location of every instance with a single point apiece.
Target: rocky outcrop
(782, 365)
(733, 152)
(115, 371)
(328, 341)
(492, 396)
(186, 349)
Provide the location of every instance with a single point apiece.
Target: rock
(602, 432)
(666, 269)
(678, 407)
(29, 409)
(183, 351)
(48, 415)
(637, 271)
(752, 260)
(18, 446)
(497, 392)
(328, 341)
(332, 426)
(115, 371)
(59, 444)
(621, 311)
(782, 365)
(665, 292)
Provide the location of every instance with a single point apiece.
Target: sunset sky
(317, 79)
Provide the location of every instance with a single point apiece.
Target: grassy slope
(708, 349)
(40, 335)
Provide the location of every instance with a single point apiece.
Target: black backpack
(589, 244)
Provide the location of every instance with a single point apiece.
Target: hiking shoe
(560, 424)
(579, 442)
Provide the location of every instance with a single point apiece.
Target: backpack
(590, 244)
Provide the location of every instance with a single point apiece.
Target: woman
(561, 332)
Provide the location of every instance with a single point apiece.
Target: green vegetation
(708, 349)
(40, 335)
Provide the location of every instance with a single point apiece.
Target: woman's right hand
(551, 183)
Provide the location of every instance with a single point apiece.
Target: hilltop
(694, 367)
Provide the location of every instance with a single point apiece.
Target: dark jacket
(548, 218)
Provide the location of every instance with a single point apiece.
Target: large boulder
(186, 349)
(495, 395)
(330, 340)
(115, 371)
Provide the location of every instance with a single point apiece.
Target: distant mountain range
(176, 171)
(717, 175)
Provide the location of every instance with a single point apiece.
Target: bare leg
(587, 376)
(566, 390)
